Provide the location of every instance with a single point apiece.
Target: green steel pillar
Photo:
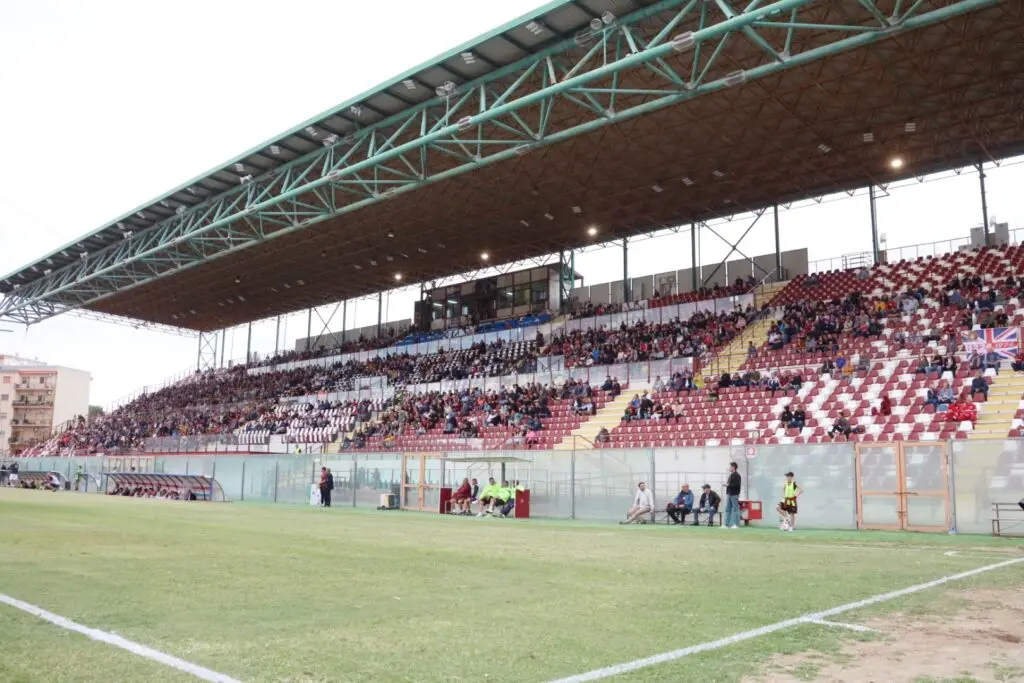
(625, 270)
(693, 252)
(778, 245)
(344, 319)
(277, 336)
(984, 202)
(380, 312)
(248, 346)
(874, 224)
(309, 328)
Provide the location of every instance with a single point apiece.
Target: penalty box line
(815, 617)
(149, 653)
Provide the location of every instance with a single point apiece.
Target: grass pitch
(280, 593)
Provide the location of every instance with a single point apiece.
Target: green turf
(280, 593)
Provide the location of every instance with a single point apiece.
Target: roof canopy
(623, 115)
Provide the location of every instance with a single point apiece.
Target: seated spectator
(841, 426)
(751, 350)
(979, 385)
(787, 415)
(884, 408)
(488, 497)
(680, 506)
(506, 499)
(799, 419)
(658, 385)
(708, 505)
(603, 436)
(461, 498)
(945, 395)
(1018, 362)
(643, 503)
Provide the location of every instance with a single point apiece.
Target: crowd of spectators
(642, 341)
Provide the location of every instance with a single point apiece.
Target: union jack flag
(1003, 340)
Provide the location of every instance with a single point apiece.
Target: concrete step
(608, 417)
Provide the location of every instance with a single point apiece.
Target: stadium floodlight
(595, 24)
(683, 42)
(485, 256)
(592, 230)
(896, 163)
(608, 18)
(449, 87)
(398, 277)
(535, 28)
(736, 78)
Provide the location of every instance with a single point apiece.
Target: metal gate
(422, 478)
(903, 486)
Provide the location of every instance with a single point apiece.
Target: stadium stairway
(996, 415)
(732, 357)
(608, 417)
(765, 293)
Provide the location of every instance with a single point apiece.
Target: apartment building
(35, 399)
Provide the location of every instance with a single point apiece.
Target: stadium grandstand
(587, 122)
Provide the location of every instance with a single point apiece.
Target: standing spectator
(643, 503)
(733, 485)
(325, 493)
(330, 486)
(681, 506)
(708, 504)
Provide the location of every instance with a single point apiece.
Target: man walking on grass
(733, 486)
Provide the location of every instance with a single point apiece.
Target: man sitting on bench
(709, 504)
(460, 499)
(488, 497)
(506, 499)
(681, 506)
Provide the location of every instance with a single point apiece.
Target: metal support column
(248, 346)
(693, 253)
(380, 312)
(984, 202)
(206, 358)
(309, 328)
(778, 245)
(277, 336)
(344, 319)
(625, 270)
(874, 224)
(223, 346)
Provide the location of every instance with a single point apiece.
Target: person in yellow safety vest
(507, 498)
(487, 497)
(787, 509)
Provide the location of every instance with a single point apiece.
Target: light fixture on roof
(192, 311)
(372, 262)
(718, 174)
(300, 283)
(84, 255)
(524, 223)
(409, 84)
(608, 18)
(683, 42)
(824, 149)
(868, 137)
(141, 215)
(910, 127)
(163, 203)
(238, 280)
(391, 234)
(465, 123)
(275, 150)
(310, 130)
(286, 285)
(735, 78)
(440, 245)
(241, 298)
(577, 210)
(390, 258)
(47, 271)
(357, 267)
(221, 304)
(658, 189)
(595, 24)
(468, 57)
(896, 163)
(329, 140)
(535, 28)
(245, 179)
(398, 277)
(240, 168)
(687, 181)
(190, 189)
(549, 217)
(355, 110)
(421, 250)
(126, 233)
(592, 230)
(120, 225)
(484, 256)
(520, 150)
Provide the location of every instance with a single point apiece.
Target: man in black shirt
(733, 485)
(708, 504)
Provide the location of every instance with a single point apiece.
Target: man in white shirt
(643, 503)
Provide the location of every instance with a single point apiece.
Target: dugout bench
(750, 511)
(1008, 519)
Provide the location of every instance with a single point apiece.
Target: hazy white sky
(110, 103)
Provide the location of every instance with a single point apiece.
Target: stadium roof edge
(351, 101)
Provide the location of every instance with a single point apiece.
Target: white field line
(619, 669)
(852, 627)
(199, 672)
